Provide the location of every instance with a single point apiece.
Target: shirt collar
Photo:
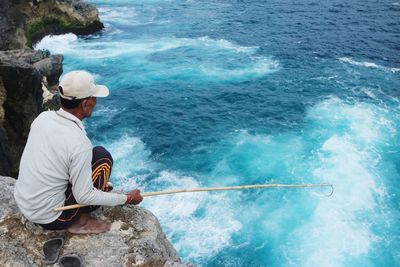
(71, 117)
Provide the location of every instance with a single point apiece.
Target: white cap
(80, 84)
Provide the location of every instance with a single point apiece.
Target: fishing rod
(204, 189)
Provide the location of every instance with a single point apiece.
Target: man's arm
(82, 185)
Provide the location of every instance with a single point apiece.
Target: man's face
(88, 106)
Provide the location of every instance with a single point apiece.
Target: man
(60, 167)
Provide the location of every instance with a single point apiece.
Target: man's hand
(134, 197)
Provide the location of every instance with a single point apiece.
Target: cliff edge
(135, 238)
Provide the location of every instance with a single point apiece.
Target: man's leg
(102, 162)
(78, 220)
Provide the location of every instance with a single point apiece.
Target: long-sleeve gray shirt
(57, 152)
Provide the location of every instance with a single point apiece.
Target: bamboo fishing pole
(204, 189)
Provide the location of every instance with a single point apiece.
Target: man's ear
(83, 103)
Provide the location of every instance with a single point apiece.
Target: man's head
(78, 92)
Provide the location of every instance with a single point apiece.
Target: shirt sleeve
(82, 186)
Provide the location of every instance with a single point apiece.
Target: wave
(193, 221)
(132, 162)
(129, 16)
(367, 64)
(119, 15)
(58, 44)
(341, 143)
(167, 58)
(69, 43)
(352, 138)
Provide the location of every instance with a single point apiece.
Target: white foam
(222, 43)
(127, 16)
(67, 43)
(58, 44)
(334, 225)
(367, 91)
(349, 159)
(367, 64)
(196, 236)
(168, 43)
(106, 112)
(132, 163)
(122, 15)
(337, 229)
(366, 122)
(243, 61)
(259, 66)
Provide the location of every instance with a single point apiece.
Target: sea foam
(340, 227)
(58, 44)
(190, 59)
(367, 64)
(341, 143)
(193, 220)
(132, 163)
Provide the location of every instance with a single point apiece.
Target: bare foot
(89, 225)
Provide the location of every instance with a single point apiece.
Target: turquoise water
(221, 93)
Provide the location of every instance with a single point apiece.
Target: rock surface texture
(135, 238)
(23, 74)
(25, 21)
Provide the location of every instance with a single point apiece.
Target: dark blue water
(220, 93)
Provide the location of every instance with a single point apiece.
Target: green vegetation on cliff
(38, 29)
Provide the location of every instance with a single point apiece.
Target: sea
(210, 93)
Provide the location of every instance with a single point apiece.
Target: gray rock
(6, 160)
(35, 19)
(8, 205)
(51, 68)
(11, 26)
(22, 85)
(25, 75)
(135, 238)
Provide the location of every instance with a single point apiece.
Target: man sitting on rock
(60, 167)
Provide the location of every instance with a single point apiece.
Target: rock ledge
(135, 238)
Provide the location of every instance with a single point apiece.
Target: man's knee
(101, 167)
(100, 152)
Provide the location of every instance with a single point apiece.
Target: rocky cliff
(25, 21)
(23, 74)
(135, 238)
(28, 77)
